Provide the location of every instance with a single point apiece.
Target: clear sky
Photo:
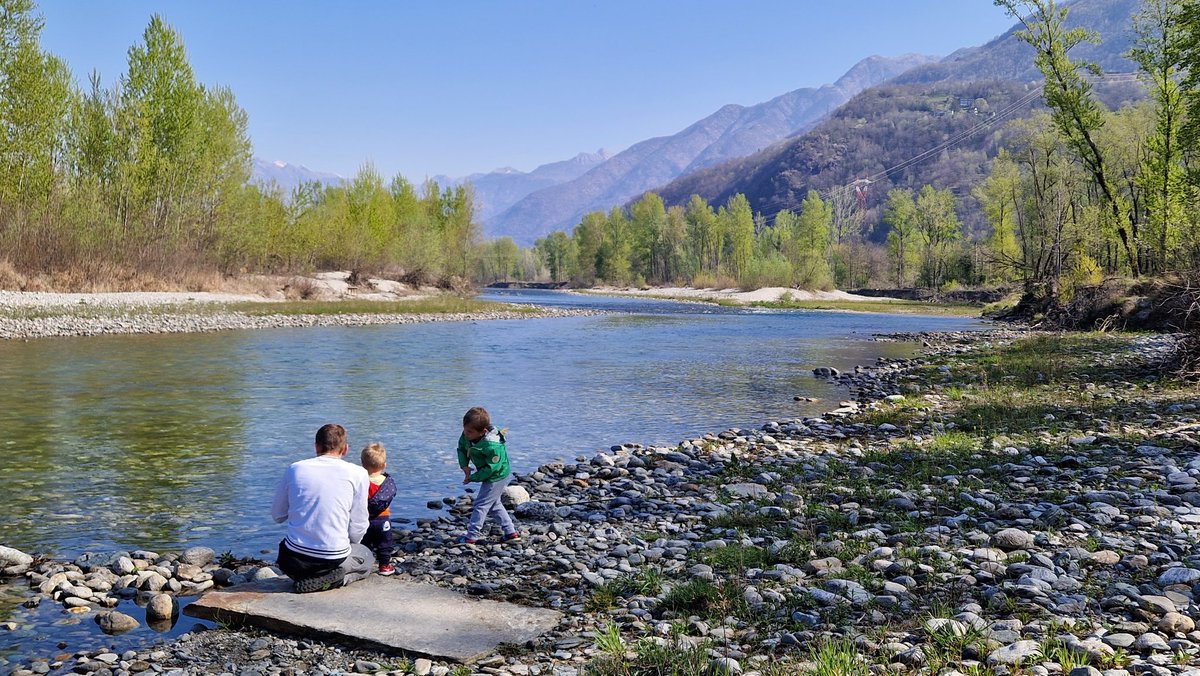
(427, 87)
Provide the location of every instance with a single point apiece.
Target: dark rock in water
(434, 504)
(826, 372)
(94, 560)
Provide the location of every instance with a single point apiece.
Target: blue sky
(425, 87)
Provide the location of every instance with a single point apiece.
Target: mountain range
(730, 132)
(917, 115)
(822, 137)
(288, 176)
(500, 189)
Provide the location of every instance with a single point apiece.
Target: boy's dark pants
(380, 539)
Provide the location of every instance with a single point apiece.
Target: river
(161, 441)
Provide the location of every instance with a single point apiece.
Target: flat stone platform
(383, 613)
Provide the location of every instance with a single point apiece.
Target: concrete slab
(380, 612)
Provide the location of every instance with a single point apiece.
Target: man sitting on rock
(324, 502)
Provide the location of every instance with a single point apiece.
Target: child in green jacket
(483, 445)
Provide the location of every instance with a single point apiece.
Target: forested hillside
(730, 132)
(1054, 185)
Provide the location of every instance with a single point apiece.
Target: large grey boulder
(1015, 653)
(93, 560)
(198, 556)
(513, 496)
(161, 607)
(13, 557)
(114, 622)
(1179, 575)
(1012, 538)
(536, 511)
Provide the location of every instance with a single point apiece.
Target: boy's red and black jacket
(379, 498)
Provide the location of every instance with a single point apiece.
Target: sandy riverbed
(320, 286)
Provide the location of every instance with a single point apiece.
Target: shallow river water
(162, 441)
(159, 442)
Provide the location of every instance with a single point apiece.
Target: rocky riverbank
(1005, 504)
(25, 316)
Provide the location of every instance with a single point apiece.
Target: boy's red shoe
(387, 569)
(512, 536)
(464, 540)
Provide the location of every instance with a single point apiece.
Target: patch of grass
(647, 582)
(838, 658)
(736, 557)
(692, 597)
(610, 642)
(741, 519)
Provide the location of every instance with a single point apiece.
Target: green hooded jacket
(489, 455)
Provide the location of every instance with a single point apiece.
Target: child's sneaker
(512, 537)
(464, 540)
(330, 580)
(387, 569)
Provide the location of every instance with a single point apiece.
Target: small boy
(483, 445)
(380, 493)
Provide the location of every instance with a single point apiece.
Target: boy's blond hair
(374, 457)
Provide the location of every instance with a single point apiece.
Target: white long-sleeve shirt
(324, 502)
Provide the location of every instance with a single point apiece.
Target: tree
(810, 238)
(158, 122)
(613, 258)
(738, 226)
(1075, 112)
(1189, 63)
(901, 217)
(35, 90)
(999, 196)
(1159, 49)
(702, 233)
(558, 252)
(938, 226)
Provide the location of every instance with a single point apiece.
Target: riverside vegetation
(1008, 503)
(144, 183)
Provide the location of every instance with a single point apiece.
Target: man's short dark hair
(331, 438)
(477, 419)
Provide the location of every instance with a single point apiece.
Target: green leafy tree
(35, 91)
(1160, 46)
(938, 225)
(902, 246)
(558, 252)
(613, 259)
(999, 195)
(703, 234)
(737, 221)
(1077, 115)
(810, 243)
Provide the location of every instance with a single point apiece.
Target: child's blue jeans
(488, 502)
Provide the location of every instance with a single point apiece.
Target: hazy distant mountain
(500, 189)
(288, 176)
(886, 125)
(732, 131)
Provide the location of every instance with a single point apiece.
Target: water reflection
(160, 441)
